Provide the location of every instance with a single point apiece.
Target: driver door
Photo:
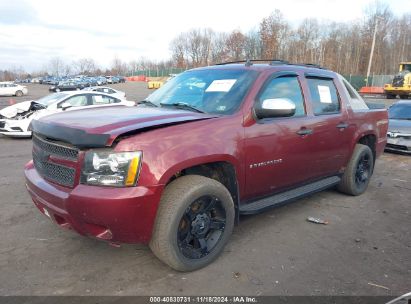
(277, 149)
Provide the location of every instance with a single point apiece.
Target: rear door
(276, 148)
(331, 131)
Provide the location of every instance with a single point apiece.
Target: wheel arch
(369, 139)
(223, 170)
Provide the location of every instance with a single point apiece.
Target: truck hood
(99, 127)
(399, 126)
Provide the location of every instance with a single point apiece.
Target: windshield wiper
(148, 103)
(401, 118)
(182, 105)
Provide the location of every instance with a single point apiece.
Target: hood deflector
(82, 139)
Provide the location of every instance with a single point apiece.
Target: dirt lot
(367, 241)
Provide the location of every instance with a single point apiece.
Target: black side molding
(288, 196)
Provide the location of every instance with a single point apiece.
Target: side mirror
(277, 107)
(65, 106)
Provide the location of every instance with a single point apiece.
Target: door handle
(304, 131)
(342, 125)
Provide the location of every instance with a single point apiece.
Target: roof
(403, 102)
(260, 67)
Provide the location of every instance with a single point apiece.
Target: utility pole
(372, 48)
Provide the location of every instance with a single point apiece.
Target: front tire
(391, 96)
(358, 172)
(19, 93)
(194, 221)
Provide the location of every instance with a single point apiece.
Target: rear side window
(286, 87)
(356, 102)
(324, 96)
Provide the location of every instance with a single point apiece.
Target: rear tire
(403, 96)
(391, 96)
(194, 221)
(19, 93)
(358, 172)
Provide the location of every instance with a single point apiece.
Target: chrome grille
(58, 173)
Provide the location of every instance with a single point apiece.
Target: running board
(288, 196)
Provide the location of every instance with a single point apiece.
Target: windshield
(400, 111)
(49, 99)
(211, 91)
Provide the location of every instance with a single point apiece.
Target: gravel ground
(366, 244)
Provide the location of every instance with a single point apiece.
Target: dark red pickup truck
(214, 143)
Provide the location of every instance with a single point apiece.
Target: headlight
(111, 169)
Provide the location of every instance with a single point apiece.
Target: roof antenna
(248, 63)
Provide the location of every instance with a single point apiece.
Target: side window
(77, 101)
(356, 102)
(285, 87)
(102, 99)
(323, 96)
(350, 91)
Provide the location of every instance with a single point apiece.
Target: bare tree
(55, 66)
(86, 66)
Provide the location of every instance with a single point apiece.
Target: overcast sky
(33, 31)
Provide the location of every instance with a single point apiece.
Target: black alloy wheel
(201, 227)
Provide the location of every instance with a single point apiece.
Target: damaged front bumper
(119, 215)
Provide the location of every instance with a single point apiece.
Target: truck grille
(55, 149)
(57, 173)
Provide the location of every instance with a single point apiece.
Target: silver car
(399, 128)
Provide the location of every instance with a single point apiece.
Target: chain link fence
(156, 72)
(359, 81)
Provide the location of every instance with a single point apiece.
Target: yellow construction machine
(401, 84)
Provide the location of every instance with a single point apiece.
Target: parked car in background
(214, 143)
(15, 119)
(92, 81)
(121, 79)
(112, 79)
(101, 80)
(12, 89)
(107, 90)
(68, 86)
(399, 127)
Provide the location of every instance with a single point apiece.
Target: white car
(107, 90)
(15, 120)
(12, 89)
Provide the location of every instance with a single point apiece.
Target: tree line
(342, 47)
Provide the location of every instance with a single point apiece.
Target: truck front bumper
(123, 215)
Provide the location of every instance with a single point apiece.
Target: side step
(287, 196)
